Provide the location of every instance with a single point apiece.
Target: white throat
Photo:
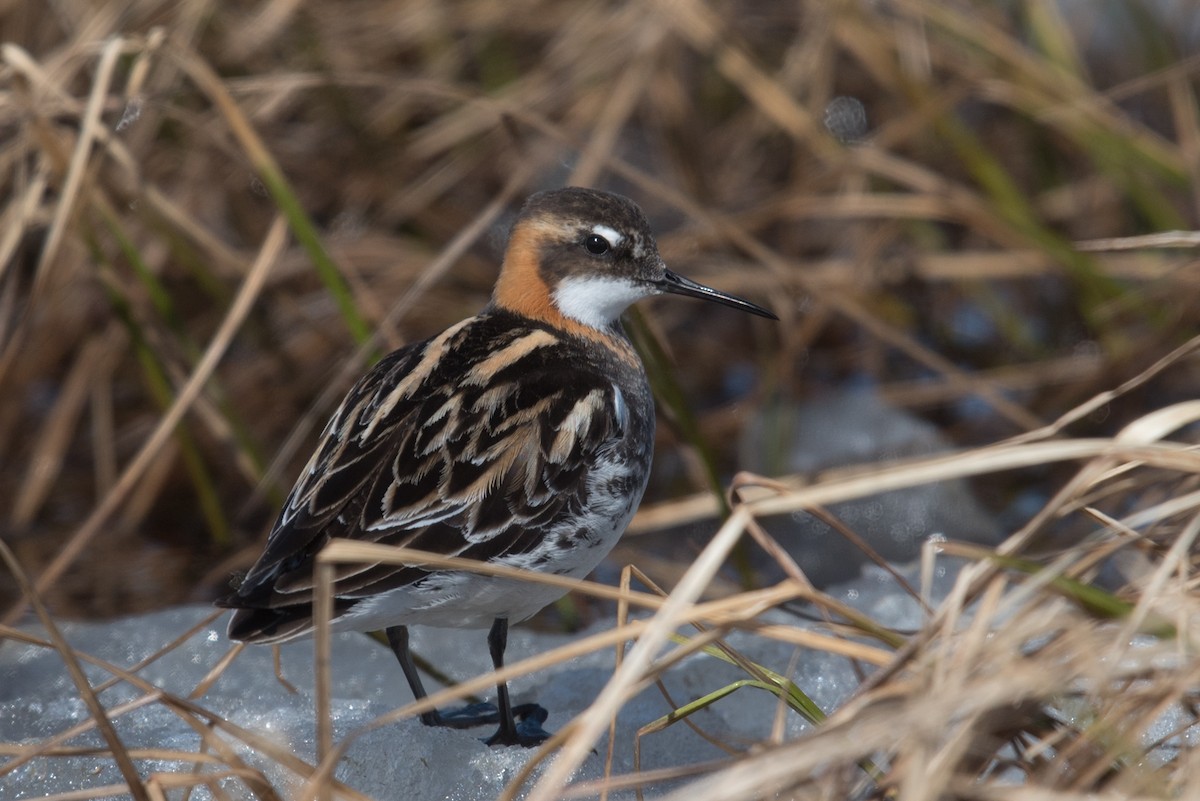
(597, 301)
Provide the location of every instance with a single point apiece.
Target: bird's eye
(596, 245)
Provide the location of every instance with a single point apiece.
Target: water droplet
(133, 111)
(846, 119)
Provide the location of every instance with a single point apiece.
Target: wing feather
(446, 450)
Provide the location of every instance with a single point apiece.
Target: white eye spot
(613, 236)
(597, 301)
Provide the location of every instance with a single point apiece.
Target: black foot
(468, 717)
(528, 732)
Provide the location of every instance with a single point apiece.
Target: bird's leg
(529, 731)
(465, 718)
(398, 638)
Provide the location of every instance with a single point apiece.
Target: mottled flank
(480, 458)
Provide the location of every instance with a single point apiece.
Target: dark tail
(265, 624)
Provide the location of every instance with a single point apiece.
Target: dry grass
(1007, 249)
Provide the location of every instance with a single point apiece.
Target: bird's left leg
(528, 732)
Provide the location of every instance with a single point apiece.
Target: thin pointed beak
(678, 285)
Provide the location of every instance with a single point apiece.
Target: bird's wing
(472, 458)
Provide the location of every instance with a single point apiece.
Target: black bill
(678, 285)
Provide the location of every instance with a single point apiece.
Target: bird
(521, 436)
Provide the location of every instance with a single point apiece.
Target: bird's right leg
(465, 718)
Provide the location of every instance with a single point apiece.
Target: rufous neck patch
(522, 286)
